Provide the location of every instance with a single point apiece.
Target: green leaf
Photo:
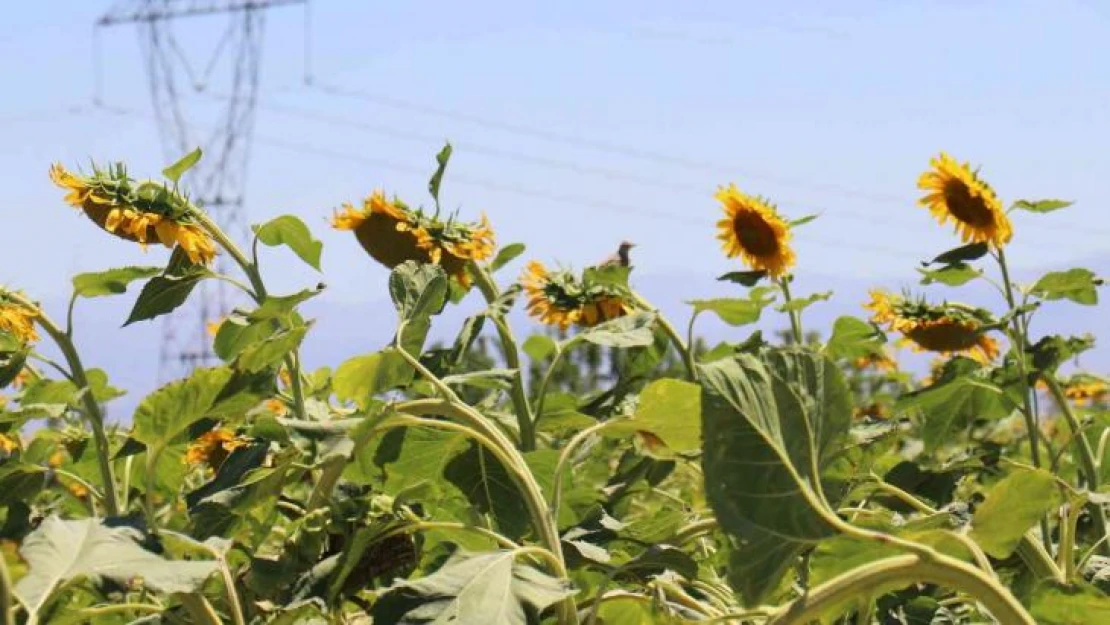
(801, 221)
(110, 282)
(854, 338)
(489, 489)
(971, 251)
(1078, 604)
(282, 306)
(1040, 206)
(610, 275)
(261, 355)
(164, 293)
(669, 409)
(418, 290)
(955, 274)
(743, 278)
(801, 303)
(471, 330)
(360, 378)
(441, 166)
(290, 231)
(1054, 350)
(540, 347)
(59, 552)
(770, 426)
(184, 164)
(474, 589)
(506, 255)
(633, 330)
(1078, 285)
(237, 333)
(169, 411)
(731, 310)
(949, 406)
(1014, 505)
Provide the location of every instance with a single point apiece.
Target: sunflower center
(945, 336)
(755, 234)
(966, 206)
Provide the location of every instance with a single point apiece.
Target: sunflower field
(611, 470)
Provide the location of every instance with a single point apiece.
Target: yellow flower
(18, 320)
(945, 329)
(276, 406)
(392, 233)
(753, 230)
(875, 410)
(956, 193)
(1085, 390)
(213, 327)
(560, 299)
(8, 444)
(56, 459)
(877, 361)
(113, 202)
(213, 447)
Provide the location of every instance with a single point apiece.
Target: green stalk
(103, 610)
(92, 409)
(541, 393)
(1017, 335)
(795, 316)
(524, 415)
(564, 460)
(907, 569)
(1086, 455)
(7, 595)
(684, 348)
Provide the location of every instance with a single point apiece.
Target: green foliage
(291, 232)
(1077, 285)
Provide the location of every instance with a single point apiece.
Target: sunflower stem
(93, 412)
(685, 349)
(795, 316)
(524, 416)
(541, 392)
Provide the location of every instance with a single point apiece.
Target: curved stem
(940, 570)
(541, 393)
(681, 346)
(1086, 455)
(694, 530)
(93, 412)
(524, 415)
(795, 316)
(564, 459)
(93, 491)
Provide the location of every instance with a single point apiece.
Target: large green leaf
(952, 404)
(1078, 285)
(854, 338)
(475, 589)
(630, 331)
(169, 411)
(488, 487)
(261, 355)
(59, 552)
(770, 425)
(358, 379)
(418, 290)
(669, 409)
(1014, 505)
(1079, 604)
(111, 281)
(291, 232)
(164, 293)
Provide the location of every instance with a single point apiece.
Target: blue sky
(578, 124)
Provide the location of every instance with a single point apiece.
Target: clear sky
(578, 124)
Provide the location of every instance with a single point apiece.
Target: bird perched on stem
(621, 258)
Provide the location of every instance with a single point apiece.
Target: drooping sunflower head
(753, 230)
(561, 298)
(17, 319)
(947, 328)
(955, 192)
(213, 447)
(393, 233)
(141, 212)
(1085, 389)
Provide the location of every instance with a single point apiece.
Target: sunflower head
(1085, 389)
(946, 328)
(213, 447)
(141, 212)
(955, 192)
(753, 230)
(561, 298)
(393, 233)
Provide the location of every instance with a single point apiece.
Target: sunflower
(392, 233)
(1085, 390)
(8, 444)
(561, 299)
(956, 193)
(143, 212)
(876, 410)
(946, 329)
(754, 231)
(18, 320)
(213, 447)
(880, 361)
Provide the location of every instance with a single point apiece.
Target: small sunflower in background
(945, 328)
(141, 212)
(1085, 389)
(956, 193)
(753, 230)
(559, 298)
(18, 320)
(213, 447)
(393, 233)
(880, 361)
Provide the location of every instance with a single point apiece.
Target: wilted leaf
(293, 233)
(1077, 285)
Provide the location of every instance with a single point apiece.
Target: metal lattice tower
(228, 70)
